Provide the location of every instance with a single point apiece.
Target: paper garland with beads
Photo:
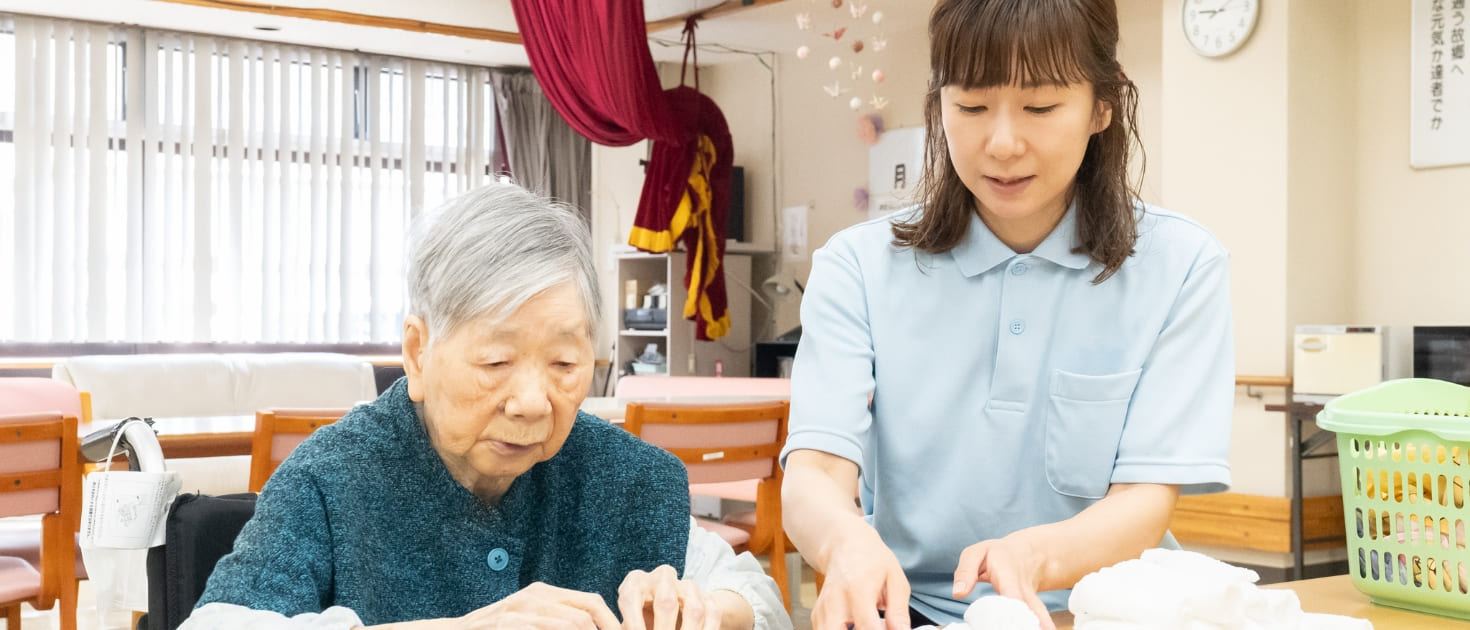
(849, 33)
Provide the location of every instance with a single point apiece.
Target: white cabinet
(685, 355)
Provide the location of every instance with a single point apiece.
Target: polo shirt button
(1017, 327)
(497, 559)
(1019, 269)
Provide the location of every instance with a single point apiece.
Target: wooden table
(217, 436)
(206, 436)
(1336, 596)
(613, 408)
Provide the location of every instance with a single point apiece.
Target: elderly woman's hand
(542, 607)
(659, 600)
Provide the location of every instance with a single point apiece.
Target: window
(177, 187)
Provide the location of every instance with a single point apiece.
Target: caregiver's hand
(863, 577)
(1010, 566)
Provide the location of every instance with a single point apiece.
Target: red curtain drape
(591, 57)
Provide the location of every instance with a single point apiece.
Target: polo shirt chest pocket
(1084, 424)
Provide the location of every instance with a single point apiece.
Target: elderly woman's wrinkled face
(501, 396)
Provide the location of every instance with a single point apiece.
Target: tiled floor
(801, 616)
(32, 619)
(801, 612)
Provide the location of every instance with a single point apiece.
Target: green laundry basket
(1404, 450)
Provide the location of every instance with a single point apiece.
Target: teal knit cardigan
(364, 514)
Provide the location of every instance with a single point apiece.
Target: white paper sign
(894, 166)
(793, 233)
(1439, 70)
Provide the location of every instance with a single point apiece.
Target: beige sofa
(161, 386)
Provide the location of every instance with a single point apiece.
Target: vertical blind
(182, 187)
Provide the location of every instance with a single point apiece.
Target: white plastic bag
(122, 516)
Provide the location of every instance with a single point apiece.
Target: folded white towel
(1183, 590)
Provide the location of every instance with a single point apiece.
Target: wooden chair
(31, 395)
(724, 443)
(277, 433)
(39, 474)
(653, 387)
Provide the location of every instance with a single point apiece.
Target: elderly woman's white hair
(488, 251)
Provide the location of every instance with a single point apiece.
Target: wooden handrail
(1254, 380)
(358, 19)
(724, 8)
(420, 26)
(45, 363)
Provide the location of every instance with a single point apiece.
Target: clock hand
(1217, 10)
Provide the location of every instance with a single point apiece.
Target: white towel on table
(1183, 590)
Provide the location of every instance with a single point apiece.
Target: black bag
(199, 531)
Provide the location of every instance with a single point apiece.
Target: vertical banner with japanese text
(1439, 114)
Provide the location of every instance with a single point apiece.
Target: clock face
(1218, 27)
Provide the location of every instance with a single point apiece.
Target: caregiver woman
(1049, 359)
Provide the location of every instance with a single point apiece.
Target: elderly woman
(472, 493)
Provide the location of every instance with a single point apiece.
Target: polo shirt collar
(980, 250)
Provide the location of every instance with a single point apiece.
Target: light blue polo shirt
(1008, 389)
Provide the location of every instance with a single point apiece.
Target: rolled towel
(996, 612)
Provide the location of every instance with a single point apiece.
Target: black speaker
(735, 216)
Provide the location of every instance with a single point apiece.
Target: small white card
(126, 510)
(793, 237)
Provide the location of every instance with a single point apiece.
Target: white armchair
(190, 385)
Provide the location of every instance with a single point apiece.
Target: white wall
(822, 160)
(1411, 249)
(1140, 50)
(1224, 142)
(1321, 150)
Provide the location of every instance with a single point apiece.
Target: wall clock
(1215, 28)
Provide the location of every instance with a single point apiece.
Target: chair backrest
(39, 474)
(27, 395)
(200, 529)
(679, 386)
(278, 432)
(716, 442)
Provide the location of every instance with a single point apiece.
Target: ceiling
(766, 28)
